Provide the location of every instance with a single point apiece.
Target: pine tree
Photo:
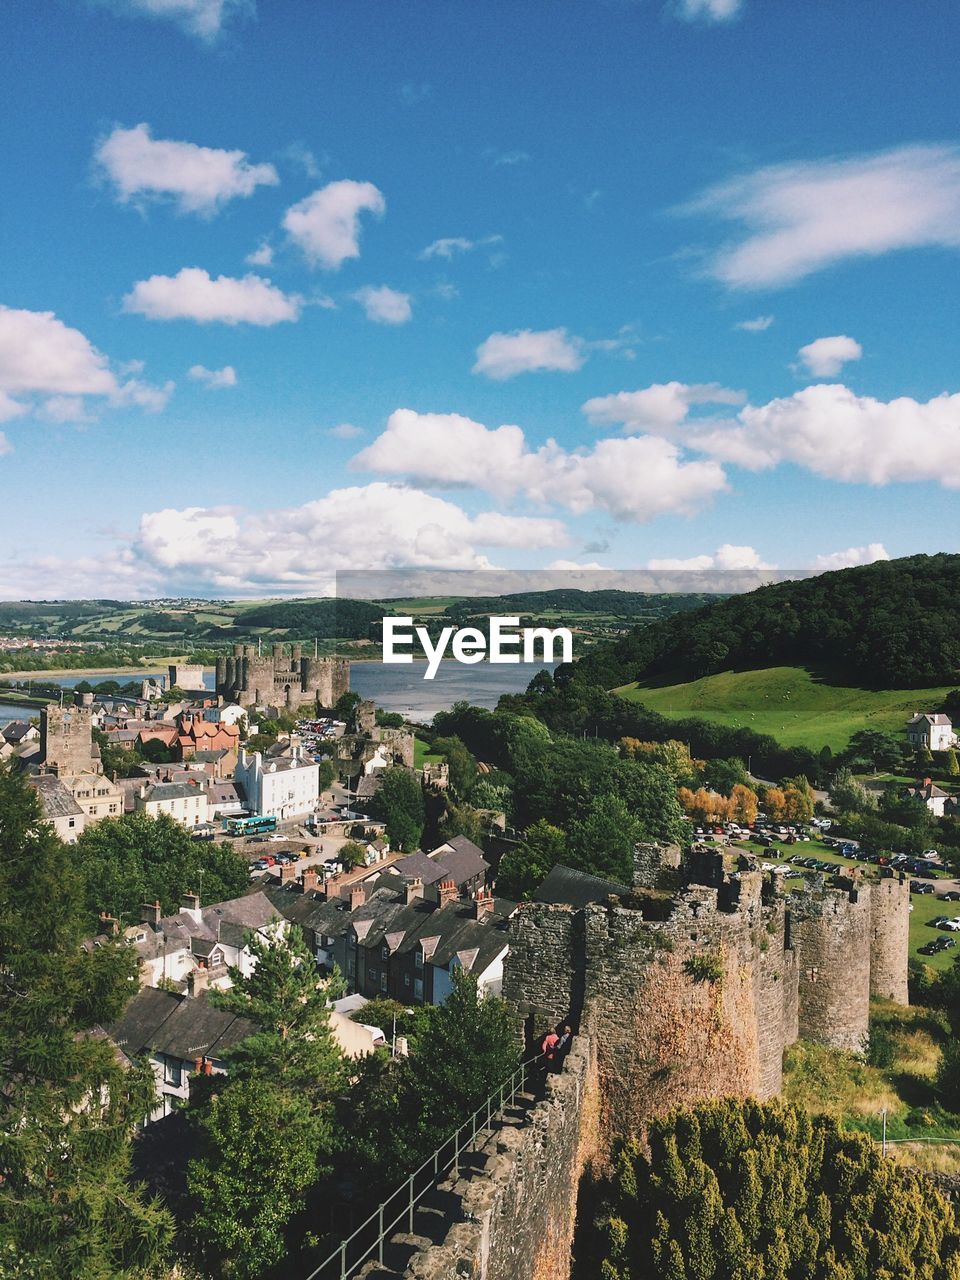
(266, 1128)
(69, 1101)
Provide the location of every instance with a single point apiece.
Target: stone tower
(66, 739)
(889, 938)
(830, 930)
(279, 678)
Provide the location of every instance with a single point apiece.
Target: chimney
(310, 878)
(190, 902)
(448, 892)
(198, 980)
(357, 897)
(109, 923)
(413, 890)
(482, 906)
(150, 914)
(288, 872)
(927, 782)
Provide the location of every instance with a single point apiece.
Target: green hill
(789, 703)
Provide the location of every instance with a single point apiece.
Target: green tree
(266, 1131)
(736, 1189)
(461, 764)
(523, 868)
(351, 854)
(345, 707)
(468, 1046)
(953, 763)
(68, 1106)
(723, 775)
(138, 858)
(602, 842)
(847, 794)
(399, 803)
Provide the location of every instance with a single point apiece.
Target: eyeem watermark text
(504, 641)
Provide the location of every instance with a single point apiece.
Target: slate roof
(178, 1026)
(164, 791)
(931, 717)
(572, 888)
(55, 800)
(14, 731)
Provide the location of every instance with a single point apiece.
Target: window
(418, 990)
(173, 1072)
(406, 979)
(383, 982)
(384, 952)
(419, 958)
(374, 974)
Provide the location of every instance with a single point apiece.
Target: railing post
(411, 1204)
(456, 1153)
(380, 1241)
(343, 1261)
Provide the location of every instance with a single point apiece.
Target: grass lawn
(789, 703)
(422, 754)
(856, 1092)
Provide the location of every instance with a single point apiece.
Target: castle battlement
(281, 678)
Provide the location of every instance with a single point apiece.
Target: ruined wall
(516, 1221)
(890, 938)
(831, 934)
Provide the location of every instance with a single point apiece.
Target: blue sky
(291, 287)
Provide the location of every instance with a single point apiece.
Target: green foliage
(707, 967)
(602, 841)
(114, 759)
(738, 1189)
(873, 750)
(389, 719)
(461, 764)
(723, 775)
(345, 707)
(267, 1129)
(352, 854)
(328, 774)
(68, 1106)
(468, 1046)
(461, 820)
(522, 869)
(399, 803)
(381, 1012)
(847, 794)
(138, 858)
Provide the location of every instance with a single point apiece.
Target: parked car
(953, 925)
(952, 895)
(284, 859)
(918, 886)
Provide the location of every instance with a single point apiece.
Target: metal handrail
(505, 1094)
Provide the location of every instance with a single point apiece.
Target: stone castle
(280, 678)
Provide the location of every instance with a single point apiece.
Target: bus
(250, 826)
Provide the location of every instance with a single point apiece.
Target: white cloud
(834, 433)
(825, 357)
(5, 445)
(727, 557)
(852, 556)
(345, 431)
(449, 246)
(757, 325)
(505, 355)
(801, 218)
(202, 18)
(710, 10)
(508, 159)
(262, 256)
(658, 408)
(198, 179)
(45, 365)
(384, 305)
(214, 379)
(630, 479)
(294, 550)
(326, 225)
(573, 565)
(193, 295)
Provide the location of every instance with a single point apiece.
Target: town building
(185, 802)
(58, 806)
(932, 730)
(938, 801)
(186, 676)
(283, 788)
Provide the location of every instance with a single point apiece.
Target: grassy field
(422, 754)
(857, 1092)
(789, 703)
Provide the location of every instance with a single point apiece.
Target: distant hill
(571, 601)
(890, 625)
(325, 619)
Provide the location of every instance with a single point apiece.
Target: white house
(230, 713)
(934, 797)
(932, 730)
(185, 802)
(283, 788)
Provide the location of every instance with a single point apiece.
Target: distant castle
(279, 678)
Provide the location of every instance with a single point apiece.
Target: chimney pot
(357, 897)
(150, 914)
(448, 892)
(310, 878)
(413, 890)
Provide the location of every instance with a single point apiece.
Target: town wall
(516, 1222)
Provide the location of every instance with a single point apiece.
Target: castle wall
(66, 739)
(831, 934)
(890, 938)
(278, 678)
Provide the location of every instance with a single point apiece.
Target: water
(394, 688)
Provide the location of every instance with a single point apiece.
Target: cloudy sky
(293, 286)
